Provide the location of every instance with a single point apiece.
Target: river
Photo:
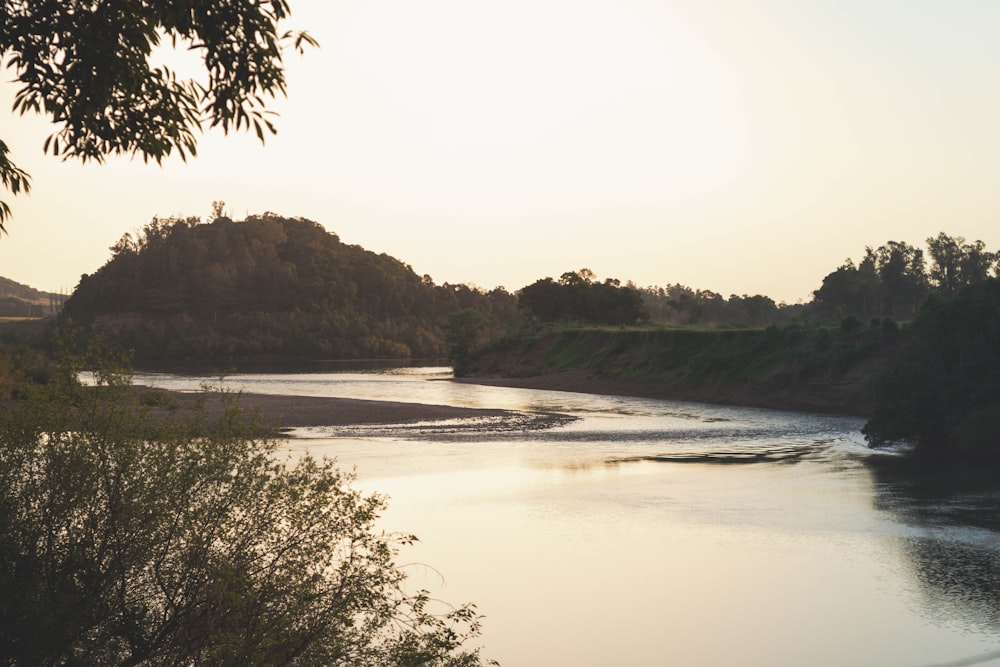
(652, 532)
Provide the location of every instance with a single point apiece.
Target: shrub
(126, 540)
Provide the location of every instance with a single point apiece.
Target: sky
(735, 146)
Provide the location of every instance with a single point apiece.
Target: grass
(771, 356)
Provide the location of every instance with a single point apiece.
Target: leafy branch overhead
(87, 66)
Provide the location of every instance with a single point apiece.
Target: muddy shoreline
(283, 412)
(803, 399)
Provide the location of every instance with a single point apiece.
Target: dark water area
(955, 508)
(649, 532)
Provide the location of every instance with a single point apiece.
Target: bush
(126, 540)
(941, 390)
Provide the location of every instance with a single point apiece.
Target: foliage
(893, 279)
(461, 333)
(890, 281)
(682, 305)
(270, 286)
(806, 365)
(577, 297)
(21, 364)
(13, 178)
(957, 264)
(130, 540)
(941, 392)
(88, 66)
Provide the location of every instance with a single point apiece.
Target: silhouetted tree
(576, 297)
(850, 290)
(941, 391)
(545, 300)
(955, 263)
(902, 276)
(461, 334)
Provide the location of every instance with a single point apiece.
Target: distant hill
(270, 287)
(17, 300)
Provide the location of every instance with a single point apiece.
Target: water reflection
(646, 532)
(955, 551)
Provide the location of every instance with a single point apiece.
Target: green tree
(87, 66)
(131, 540)
(461, 334)
(941, 390)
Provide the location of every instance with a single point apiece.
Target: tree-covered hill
(269, 287)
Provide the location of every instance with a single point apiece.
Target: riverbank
(805, 399)
(802, 368)
(282, 413)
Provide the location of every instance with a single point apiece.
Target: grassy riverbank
(798, 366)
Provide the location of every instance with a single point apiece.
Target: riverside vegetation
(223, 554)
(126, 539)
(912, 346)
(933, 382)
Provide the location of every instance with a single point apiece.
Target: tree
(956, 264)
(753, 310)
(940, 391)
(901, 272)
(577, 296)
(545, 300)
(850, 290)
(131, 540)
(461, 333)
(890, 280)
(946, 262)
(87, 66)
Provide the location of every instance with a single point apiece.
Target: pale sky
(738, 146)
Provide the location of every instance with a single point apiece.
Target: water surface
(652, 532)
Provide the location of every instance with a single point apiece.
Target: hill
(269, 287)
(17, 300)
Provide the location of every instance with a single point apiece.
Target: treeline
(270, 285)
(682, 305)
(578, 297)
(892, 280)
